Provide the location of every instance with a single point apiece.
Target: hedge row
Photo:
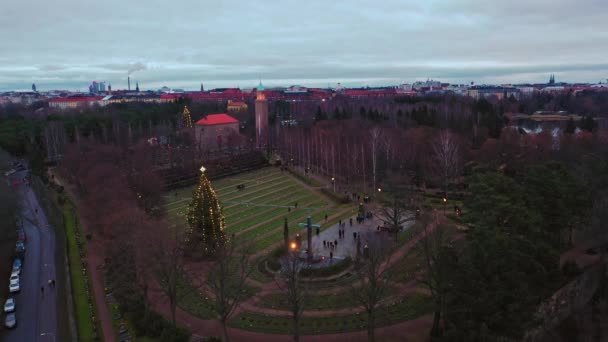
(327, 271)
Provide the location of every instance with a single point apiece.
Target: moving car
(9, 305)
(10, 321)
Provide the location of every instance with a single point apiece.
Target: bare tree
(375, 145)
(227, 282)
(54, 140)
(399, 205)
(9, 203)
(437, 265)
(447, 157)
(291, 283)
(169, 268)
(372, 282)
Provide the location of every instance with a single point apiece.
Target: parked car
(17, 265)
(10, 321)
(14, 287)
(19, 247)
(9, 305)
(14, 277)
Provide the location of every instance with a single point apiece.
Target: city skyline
(235, 43)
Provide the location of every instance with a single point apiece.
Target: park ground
(255, 215)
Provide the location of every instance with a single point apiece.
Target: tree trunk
(296, 330)
(146, 302)
(436, 329)
(371, 326)
(225, 330)
(173, 304)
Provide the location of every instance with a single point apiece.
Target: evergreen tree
(206, 221)
(185, 119)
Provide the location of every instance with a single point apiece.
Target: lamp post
(445, 203)
(333, 182)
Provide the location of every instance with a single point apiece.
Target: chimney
(129, 83)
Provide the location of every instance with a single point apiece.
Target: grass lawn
(192, 300)
(80, 294)
(264, 202)
(407, 309)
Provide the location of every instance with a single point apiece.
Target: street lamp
(333, 182)
(379, 189)
(293, 246)
(445, 202)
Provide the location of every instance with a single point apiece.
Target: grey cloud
(236, 41)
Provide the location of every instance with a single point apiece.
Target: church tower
(261, 118)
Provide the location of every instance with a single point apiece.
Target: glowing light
(293, 245)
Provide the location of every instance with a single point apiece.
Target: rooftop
(216, 119)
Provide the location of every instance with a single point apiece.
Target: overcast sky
(65, 44)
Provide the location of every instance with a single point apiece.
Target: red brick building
(215, 131)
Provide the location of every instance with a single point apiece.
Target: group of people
(51, 285)
(330, 244)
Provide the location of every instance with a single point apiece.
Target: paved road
(36, 311)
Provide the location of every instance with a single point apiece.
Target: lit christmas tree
(186, 119)
(205, 220)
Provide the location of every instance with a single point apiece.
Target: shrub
(327, 271)
(570, 269)
(273, 264)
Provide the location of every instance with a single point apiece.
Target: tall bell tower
(261, 118)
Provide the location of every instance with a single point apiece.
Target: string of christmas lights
(205, 220)
(186, 119)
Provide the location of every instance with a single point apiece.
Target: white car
(9, 305)
(9, 172)
(10, 321)
(14, 277)
(14, 286)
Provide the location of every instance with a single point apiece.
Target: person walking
(324, 243)
(351, 221)
(336, 243)
(355, 235)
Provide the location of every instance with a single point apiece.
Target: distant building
(33, 87)
(261, 118)
(430, 84)
(214, 131)
(102, 87)
(236, 106)
(497, 92)
(76, 102)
